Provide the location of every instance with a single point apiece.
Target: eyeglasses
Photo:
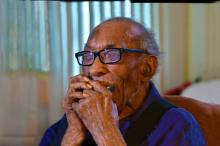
(106, 56)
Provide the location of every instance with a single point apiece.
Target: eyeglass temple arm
(135, 51)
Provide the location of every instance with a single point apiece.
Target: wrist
(72, 138)
(108, 135)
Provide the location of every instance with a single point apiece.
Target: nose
(97, 69)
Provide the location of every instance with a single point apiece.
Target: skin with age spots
(97, 109)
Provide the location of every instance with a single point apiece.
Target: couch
(207, 115)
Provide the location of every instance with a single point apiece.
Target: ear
(148, 67)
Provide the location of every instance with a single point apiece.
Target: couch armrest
(207, 115)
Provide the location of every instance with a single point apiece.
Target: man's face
(124, 75)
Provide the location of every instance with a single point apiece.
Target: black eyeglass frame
(122, 50)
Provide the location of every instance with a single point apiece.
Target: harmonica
(111, 88)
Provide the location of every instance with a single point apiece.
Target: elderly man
(113, 102)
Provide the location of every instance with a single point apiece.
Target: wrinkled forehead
(114, 35)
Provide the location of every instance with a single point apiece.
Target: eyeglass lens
(105, 56)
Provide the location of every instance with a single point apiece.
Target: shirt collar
(152, 96)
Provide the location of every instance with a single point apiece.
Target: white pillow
(208, 91)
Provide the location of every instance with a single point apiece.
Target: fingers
(102, 102)
(82, 89)
(94, 97)
(89, 97)
(78, 86)
(78, 78)
(74, 97)
(81, 108)
(100, 88)
(97, 86)
(90, 93)
(78, 82)
(74, 93)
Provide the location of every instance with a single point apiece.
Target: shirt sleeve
(54, 134)
(176, 128)
(47, 137)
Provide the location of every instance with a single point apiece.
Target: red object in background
(178, 90)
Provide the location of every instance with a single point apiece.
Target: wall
(24, 108)
(189, 42)
(204, 44)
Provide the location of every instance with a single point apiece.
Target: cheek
(126, 71)
(125, 79)
(132, 81)
(117, 76)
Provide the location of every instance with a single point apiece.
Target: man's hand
(99, 114)
(75, 132)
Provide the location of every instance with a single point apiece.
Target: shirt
(177, 127)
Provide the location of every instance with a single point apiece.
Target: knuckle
(83, 105)
(74, 78)
(82, 108)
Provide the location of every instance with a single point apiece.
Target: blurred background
(38, 40)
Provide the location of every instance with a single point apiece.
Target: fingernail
(86, 79)
(84, 94)
(89, 86)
